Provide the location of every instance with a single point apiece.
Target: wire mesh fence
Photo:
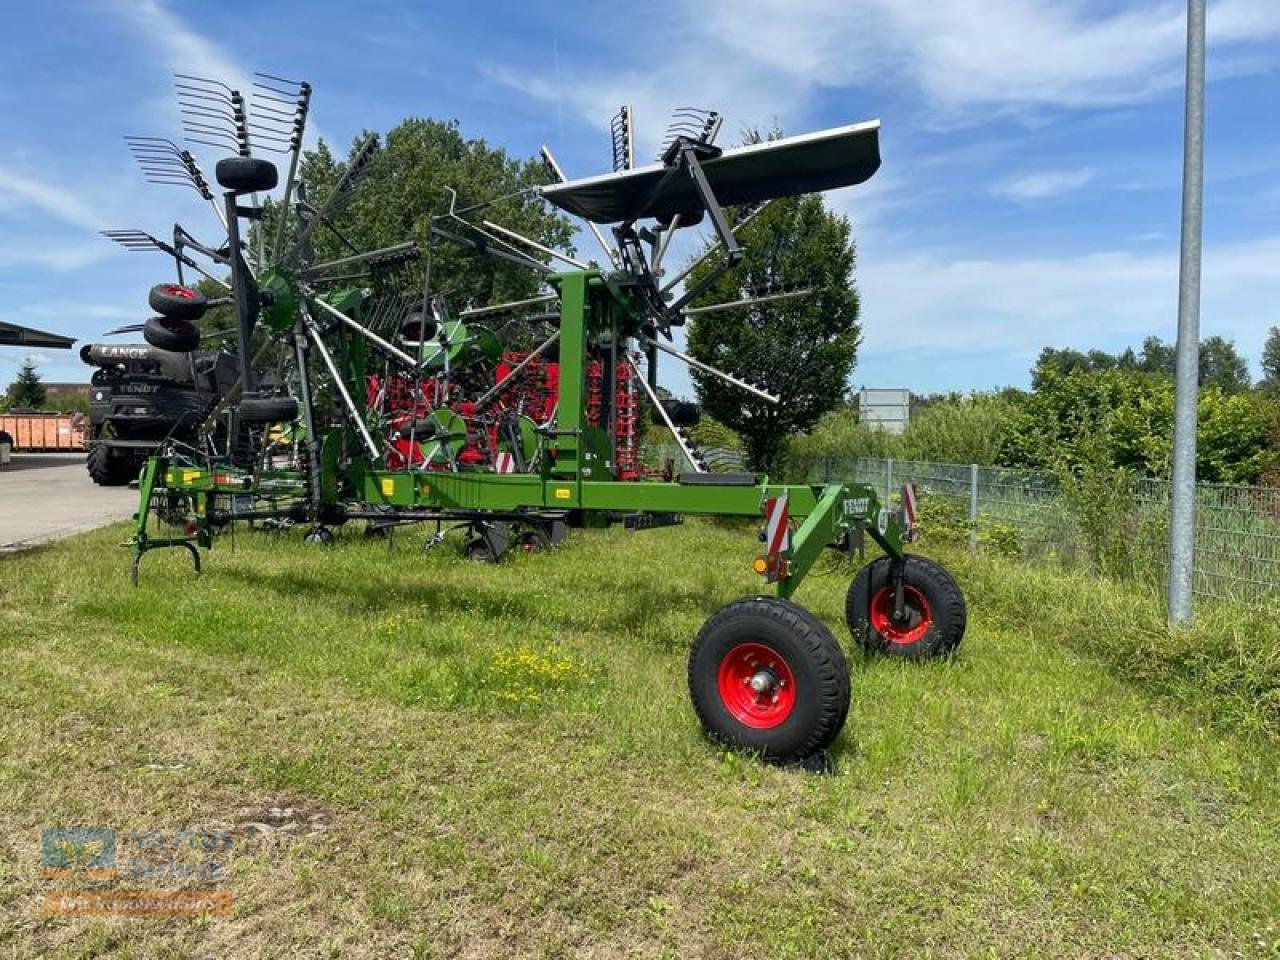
(1029, 513)
(1237, 527)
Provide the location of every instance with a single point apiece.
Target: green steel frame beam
(590, 303)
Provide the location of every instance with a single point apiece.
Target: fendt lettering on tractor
(514, 421)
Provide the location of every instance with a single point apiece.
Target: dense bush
(1125, 419)
(964, 430)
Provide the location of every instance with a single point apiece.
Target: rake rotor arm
(748, 301)
(688, 452)
(303, 106)
(352, 410)
(517, 257)
(399, 251)
(515, 371)
(512, 305)
(350, 177)
(679, 278)
(553, 168)
(364, 331)
(728, 242)
(706, 368)
(497, 228)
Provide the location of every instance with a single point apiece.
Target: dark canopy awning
(12, 335)
(760, 171)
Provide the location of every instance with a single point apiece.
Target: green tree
(1054, 361)
(405, 186)
(1158, 356)
(801, 349)
(27, 390)
(1271, 361)
(1222, 366)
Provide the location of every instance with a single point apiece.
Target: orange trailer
(45, 432)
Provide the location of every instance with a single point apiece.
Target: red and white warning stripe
(777, 532)
(909, 504)
(504, 462)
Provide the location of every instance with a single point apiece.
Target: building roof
(13, 335)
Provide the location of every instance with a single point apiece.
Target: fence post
(888, 479)
(973, 506)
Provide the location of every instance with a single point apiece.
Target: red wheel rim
(181, 292)
(757, 686)
(918, 620)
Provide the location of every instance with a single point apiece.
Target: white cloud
(1043, 185)
(757, 59)
(1003, 52)
(1016, 306)
(181, 48)
(24, 190)
(59, 256)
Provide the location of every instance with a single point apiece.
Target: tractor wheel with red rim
(767, 676)
(933, 615)
(175, 300)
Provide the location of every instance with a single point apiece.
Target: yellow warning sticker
(563, 493)
(190, 476)
(388, 486)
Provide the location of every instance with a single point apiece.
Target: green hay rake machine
(392, 410)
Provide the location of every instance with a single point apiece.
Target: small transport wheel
(933, 605)
(320, 535)
(175, 300)
(246, 174)
(532, 541)
(268, 409)
(767, 675)
(171, 333)
(479, 551)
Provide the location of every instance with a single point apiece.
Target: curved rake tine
(205, 80)
(216, 98)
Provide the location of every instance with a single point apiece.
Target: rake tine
(205, 80)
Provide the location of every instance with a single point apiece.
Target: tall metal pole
(1183, 508)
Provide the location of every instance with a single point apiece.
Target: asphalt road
(48, 495)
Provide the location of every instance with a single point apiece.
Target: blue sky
(1032, 148)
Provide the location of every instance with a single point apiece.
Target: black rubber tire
(418, 327)
(479, 551)
(171, 333)
(246, 174)
(938, 587)
(532, 541)
(822, 690)
(108, 468)
(322, 536)
(175, 300)
(268, 410)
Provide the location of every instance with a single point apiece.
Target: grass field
(431, 758)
